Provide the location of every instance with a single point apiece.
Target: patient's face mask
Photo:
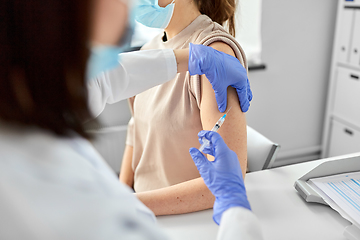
(150, 14)
(105, 57)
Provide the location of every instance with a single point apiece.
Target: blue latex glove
(222, 70)
(223, 176)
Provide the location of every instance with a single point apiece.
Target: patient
(166, 119)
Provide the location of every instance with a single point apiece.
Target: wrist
(225, 202)
(182, 59)
(234, 200)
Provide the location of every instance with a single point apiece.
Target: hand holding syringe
(214, 129)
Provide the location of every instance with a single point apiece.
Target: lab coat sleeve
(239, 223)
(136, 72)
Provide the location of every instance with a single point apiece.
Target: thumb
(199, 159)
(221, 99)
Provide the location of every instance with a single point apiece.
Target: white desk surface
(282, 212)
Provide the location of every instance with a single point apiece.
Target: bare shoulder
(222, 47)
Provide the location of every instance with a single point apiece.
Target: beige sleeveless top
(166, 119)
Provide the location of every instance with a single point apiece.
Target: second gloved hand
(222, 70)
(223, 176)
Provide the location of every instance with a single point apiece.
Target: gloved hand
(222, 70)
(223, 176)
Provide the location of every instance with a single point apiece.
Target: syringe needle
(228, 110)
(214, 129)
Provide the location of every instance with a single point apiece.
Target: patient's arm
(233, 131)
(126, 171)
(189, 196)
(193, 195)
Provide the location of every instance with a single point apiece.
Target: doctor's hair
(43, 46)
(219, 11)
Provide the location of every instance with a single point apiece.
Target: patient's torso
(166, 118)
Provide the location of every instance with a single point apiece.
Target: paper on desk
(342, 193)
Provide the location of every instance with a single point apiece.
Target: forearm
(189, 196)
(239, 223)
(126, 80)
(126, 172)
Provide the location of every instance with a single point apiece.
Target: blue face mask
(150, 14)
(106, 57)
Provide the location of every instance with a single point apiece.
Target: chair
(109, 130)
(261, 152)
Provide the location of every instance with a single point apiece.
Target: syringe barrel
(218, 124)
(204, 145)
(214, 129)
(221, 121)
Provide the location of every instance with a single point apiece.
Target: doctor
(141, 70)
(53, 184)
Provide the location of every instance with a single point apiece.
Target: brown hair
(219, 11)
(43, 47)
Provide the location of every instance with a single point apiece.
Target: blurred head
(44, 51)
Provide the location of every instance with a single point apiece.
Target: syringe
(214, 129)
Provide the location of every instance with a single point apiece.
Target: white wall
(289, 96)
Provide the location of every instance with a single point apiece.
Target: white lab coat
(137, 72)
(61, 188)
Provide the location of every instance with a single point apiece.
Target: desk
(283, 214)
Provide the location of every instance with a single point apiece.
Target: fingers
(244, 100)
(215, 140)
(202, 133)
(208, 149)
(249, 92)
(199, 159)
(245, 96)
(193, 65)
(210, 135)
(221, 99)
(199, 62)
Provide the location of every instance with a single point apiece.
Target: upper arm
(126, 171)
(233, 131)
